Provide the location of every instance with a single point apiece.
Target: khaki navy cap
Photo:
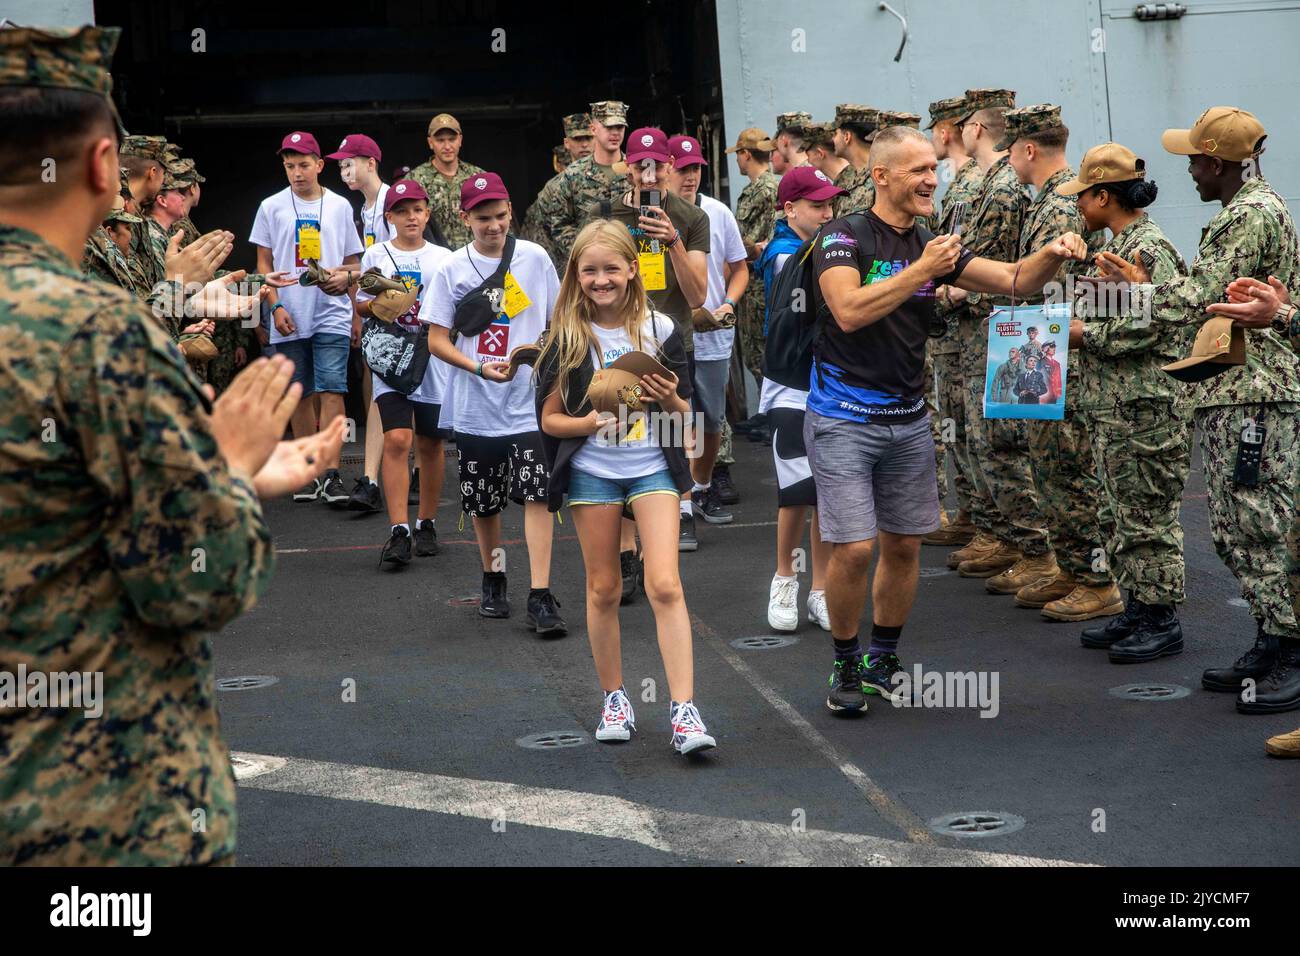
(577, 125)
(146, 147)
(1028, 120)
(620, 382)
(1107, 163)
(62, 59)
(795, 122)
(752, 138)
(444, 121)
(954, 107)
(609, 113)
(1222, 131)
(984, 98)
(1219, 346)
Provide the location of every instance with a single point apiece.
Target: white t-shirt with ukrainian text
(416, 269)
(479, 406)
(725, 245)
(374, 224)
(295, 229)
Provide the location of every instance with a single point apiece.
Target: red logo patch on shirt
(495, 340)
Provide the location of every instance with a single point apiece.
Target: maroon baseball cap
(480, 188)
(300, 142)
(686, 151)
(805, 182)
(357, 144)
(404, 189)
(648, 143)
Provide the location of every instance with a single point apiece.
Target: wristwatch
(1283, 319)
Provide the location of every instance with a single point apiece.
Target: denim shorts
(588, 489)
(320, 363)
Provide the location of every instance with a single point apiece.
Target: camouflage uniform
(1061, 455)
(189, 232)
(1141, 434)
(103, 260)
(444, 199)
(1252, 236)
(945, 352)
(576, 200)
(1003, 502)
(534, 227)
(861, 193)
(104, 529)
(756, 216)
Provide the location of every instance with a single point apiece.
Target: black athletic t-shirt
(876, 373)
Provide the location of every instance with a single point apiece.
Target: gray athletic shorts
(710, 393)
(871, 476)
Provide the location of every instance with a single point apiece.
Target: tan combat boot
(991, 562)
(1084, 603)
(1284, 745)
(951, 532)
(980, 544)
(1023, 573)
(1046, 590)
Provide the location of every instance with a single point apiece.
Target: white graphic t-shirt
(725, 245)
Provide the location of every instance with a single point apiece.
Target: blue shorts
(320, 363)
(588, 489)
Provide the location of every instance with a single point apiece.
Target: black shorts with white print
(495, 469)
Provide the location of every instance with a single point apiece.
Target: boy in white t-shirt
(728, 276)
(494, 419)
(359, 157)
(415, 262)
(313, 325)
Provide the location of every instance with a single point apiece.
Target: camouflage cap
(1027, 120)
(857, 114)
(146, 147)
(171, 154)
(987, 99)
(124, 181)
(895, 118)
(819, 134)
(62, 59)
(577, 124)
(950, 109)
(792, 122)
(119, 214)
(184, 172)
(560, 158)
(609, 113)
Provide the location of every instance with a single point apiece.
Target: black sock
(884, 640)
(847, 648)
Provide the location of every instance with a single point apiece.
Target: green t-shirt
(657, 268)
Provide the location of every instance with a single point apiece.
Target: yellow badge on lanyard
(370, 239)
(516, 299)
(308, 239)
(652, 271)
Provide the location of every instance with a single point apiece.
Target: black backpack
(795, 320)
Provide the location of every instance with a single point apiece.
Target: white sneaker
(616, 719)
(817, 613)
(688, 729)
(783, 604)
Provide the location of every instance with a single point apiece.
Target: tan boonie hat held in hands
(444, 121)
(1219, 346)
(752, 138)
(609, 113)
(985, 99)
(1222, 131)
(1107, 163)
(1027, 120)
(950, 109)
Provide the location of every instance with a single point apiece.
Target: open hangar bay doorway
(226, 80)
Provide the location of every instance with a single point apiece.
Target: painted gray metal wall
(1114, 76)
(48, 13)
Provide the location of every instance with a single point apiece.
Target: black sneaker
(397, 550)
(750, 424)
(847, 694)
(426, 540)
(727, 492)
(365, 496)
(309, 491)
(544, 616)
(709, 507)
(332, 491)
(686, 540)
(413, 491)
(630, 568)
(878, 677)
(494, 602)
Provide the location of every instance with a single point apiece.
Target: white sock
(402, 525)
(700, 487)
(782, 577)
(425, 522)
(685, 507)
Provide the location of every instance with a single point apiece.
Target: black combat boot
(1279, 691)
(1253, 665)
(1112, 629)
(1158, 634)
